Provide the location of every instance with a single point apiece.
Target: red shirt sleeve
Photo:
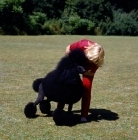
(80, 44)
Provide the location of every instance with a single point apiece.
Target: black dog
(61, 85)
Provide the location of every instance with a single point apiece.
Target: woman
(95, 54)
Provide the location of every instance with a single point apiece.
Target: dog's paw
(45, 107)
(30, 110)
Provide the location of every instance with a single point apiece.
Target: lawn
(114, 106)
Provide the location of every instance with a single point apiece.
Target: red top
(80, 44)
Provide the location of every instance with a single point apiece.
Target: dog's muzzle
(80, 69)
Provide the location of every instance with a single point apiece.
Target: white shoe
(83, 119)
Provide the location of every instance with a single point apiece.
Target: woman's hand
(89, 73)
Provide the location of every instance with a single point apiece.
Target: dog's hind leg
(70, 108)
(40, 95)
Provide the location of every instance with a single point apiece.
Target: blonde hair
(95, 54)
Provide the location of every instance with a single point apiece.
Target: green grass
(115, 89)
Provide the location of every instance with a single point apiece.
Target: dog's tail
(36, 84)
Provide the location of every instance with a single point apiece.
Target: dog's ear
(70, 76)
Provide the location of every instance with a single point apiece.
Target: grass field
(114, 106)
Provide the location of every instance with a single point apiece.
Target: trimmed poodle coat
(64, 84)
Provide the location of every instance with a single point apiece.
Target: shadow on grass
(73, 118)
(100, 114)
(96, 115)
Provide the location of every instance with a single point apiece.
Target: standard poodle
(63, 84)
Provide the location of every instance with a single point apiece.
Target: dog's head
(78, 57)
(70, 66)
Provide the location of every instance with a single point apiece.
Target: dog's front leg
(70, 108)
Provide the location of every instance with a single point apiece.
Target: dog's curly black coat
(63, 84)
